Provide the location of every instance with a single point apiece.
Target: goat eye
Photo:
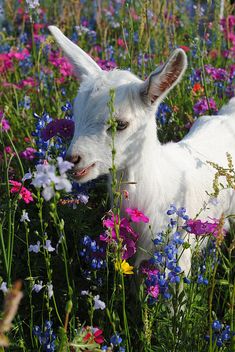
(121, 125)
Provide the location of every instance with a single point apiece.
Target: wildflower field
(68, 278)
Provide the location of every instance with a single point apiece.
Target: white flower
(45, 176)
(64, 165)
(63, 183)
(50, 290)
(35, 247)
(37, 287)
(24, 216)
(48, 246)
(48, 193)
(98, 304)
(3, 287)
(85, 293)
(27, 176)
(32, 3)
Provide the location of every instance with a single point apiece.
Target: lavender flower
(24, 216)
(48, 246)
(35, 248)
(98, 304)
(37, 287)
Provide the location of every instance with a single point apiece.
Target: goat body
(174, 173)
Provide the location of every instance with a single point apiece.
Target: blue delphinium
(93, 253)
(163, 113)
(165, 258)
(50, 147)
(221, 334)
(46, 338)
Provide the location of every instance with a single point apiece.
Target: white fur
(174, 173)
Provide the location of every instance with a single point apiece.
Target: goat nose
(75, 159)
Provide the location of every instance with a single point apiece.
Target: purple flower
(202, 106)
(28, 153)
(49, 131)
(35, 248)
(65, 128)
(4, 124)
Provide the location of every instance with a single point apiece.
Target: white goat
(175, 173)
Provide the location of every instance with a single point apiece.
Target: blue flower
(46, 338)
(116, 340)
(216, 325)
(172, 210)
(177, 239)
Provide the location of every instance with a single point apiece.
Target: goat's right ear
(164, 78)
(83, 64)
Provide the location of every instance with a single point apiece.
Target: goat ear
(83, 64)
(164, 78)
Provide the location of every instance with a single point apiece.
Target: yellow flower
(124, 267)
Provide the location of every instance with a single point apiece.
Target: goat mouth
(82, 172)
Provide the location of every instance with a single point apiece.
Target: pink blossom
(136, 215)
(153, 291)
(199, 228)
(8, 150)
(28, 153)
(4, 124)
(25, 194)
(126, 233)
(120, 42)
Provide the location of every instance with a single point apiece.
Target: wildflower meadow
(68, 276)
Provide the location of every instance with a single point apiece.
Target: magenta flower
(202, 106)
(25, 194)
(199, 228)
(28, 153)
(4, 124)
(153, 291)
(136, 215)
(126, 233)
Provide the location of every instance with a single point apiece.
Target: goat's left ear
(164, 78)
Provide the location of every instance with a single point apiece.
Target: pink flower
(28, 153)
(8, 150)
(126, 233)
(136, 215)
(25, 194)
(199, 228)
(4, 124)
(202, 106)
(120, 42)
(153, 291)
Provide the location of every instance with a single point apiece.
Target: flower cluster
(221, 334)
(45, 337)
(199, 227)
(163, 269)
(93, 253)
(63, 127)
(45, 129)
(46, 177)
(125, 231)
(23, 192)
(163, 113)
(202, 107)
(115, 344)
